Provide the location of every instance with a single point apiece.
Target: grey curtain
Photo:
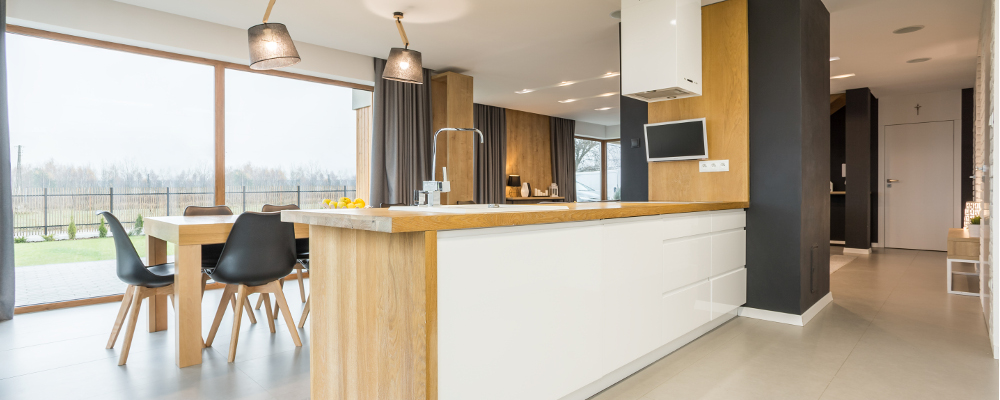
(491, 157)
(563, 157)
(401, 138)
(6, 200)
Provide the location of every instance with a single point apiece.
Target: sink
(478, 208)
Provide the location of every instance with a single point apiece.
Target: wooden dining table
(188, 234)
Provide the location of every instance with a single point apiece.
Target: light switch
(713, 166)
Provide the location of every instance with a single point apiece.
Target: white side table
(952, 272)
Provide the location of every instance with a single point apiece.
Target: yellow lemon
(326, 201)
(341, 205)
(350, 205)
(359, 200)
(345, 199)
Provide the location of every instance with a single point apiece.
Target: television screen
(677, 140)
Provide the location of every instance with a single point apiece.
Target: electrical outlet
(713, 166)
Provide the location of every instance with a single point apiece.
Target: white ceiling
(861, 35)
(510, 45)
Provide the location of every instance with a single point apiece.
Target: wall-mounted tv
(677, 140)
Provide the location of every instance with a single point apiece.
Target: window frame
(604, 162)
(220, 85)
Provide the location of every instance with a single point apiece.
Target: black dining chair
(210, 252)
(259, 251)
(301, 253)
(143, 282)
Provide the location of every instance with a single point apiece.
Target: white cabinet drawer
(729, 291)
(729, 251)
(685, 310)
(729, 219)
(686, 261)
(681, 225)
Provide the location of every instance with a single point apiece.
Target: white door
(919, 188)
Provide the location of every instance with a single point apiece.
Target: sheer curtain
(491, 158)
(401, 138)
(6, 201)
(563, 156)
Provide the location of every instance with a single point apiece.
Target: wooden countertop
(383, 220)
(535, 198)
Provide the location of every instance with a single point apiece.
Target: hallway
(891, 333)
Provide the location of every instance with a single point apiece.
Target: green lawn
(68, 251)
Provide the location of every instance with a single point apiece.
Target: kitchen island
(545, 302)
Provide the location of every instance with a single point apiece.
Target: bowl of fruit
(343, 203)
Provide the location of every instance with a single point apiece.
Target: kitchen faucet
(433, 188)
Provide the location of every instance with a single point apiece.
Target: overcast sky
(88, 106)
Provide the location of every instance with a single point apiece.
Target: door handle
(892, 180)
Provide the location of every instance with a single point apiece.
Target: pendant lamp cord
(399, 25)
(267, 14)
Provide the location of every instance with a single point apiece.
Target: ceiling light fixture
(842, 76)
(270, 45)
(834, 59)
(403, 64)
(567, 83)
(908, 29)
(590, 97)
(603, 109)
(567, 101)
(918, 60)
(609, 94)
(616, 14)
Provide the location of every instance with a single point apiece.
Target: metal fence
(49, 211)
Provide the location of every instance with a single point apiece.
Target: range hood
(661, 49)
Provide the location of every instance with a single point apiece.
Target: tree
(137, 229)
(72, 228)
(586, 158)
(102, 230)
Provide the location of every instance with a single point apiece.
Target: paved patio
(40, 284)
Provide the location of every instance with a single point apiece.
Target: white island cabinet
(562, 311)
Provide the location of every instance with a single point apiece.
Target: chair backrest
(260, 249)
(130, 268)
(274, 208)
(387, 205)
(465, 202)
(191, 211)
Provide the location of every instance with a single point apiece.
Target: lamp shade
(404, 65)
(271, 47)
(514, 180)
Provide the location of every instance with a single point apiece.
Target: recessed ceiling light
(842, 76)
(617, 14)
(673, 22)
(566, 83)
(602, 109)
(908, 29)
(918, 60)
(834, 58)
(567, 101)
(608, 94)
(523, 91)
(612, 74)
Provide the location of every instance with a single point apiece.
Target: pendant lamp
(403, 64)
(270, 45)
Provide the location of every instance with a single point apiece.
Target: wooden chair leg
(305, 313)
(122, 313)
(133, 318)
(241, 298)
(267, 308)
(250, 314)
(287, 314)
(227, 294)
(260, 300)
(302, 285)
(204, 281)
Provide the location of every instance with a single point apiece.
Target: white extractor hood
(661, 49)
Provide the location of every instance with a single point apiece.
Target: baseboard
(617, 375)
(838, 242)
(876, 245)
(851, 250)
(785, 318)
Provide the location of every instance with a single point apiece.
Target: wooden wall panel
(364, 156)
(725, 105)
(529, 148)
(452, 108)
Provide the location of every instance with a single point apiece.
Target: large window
(287, 141)
(613, 170)
(95, 129)
(598, 170)
(134, 131)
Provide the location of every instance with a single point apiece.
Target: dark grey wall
(967, 170)
(635, 170)
(874, 171)
(859, 168)
(788, 222)
(838, 156)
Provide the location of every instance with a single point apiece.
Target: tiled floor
(891, 333)
(41, 284)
